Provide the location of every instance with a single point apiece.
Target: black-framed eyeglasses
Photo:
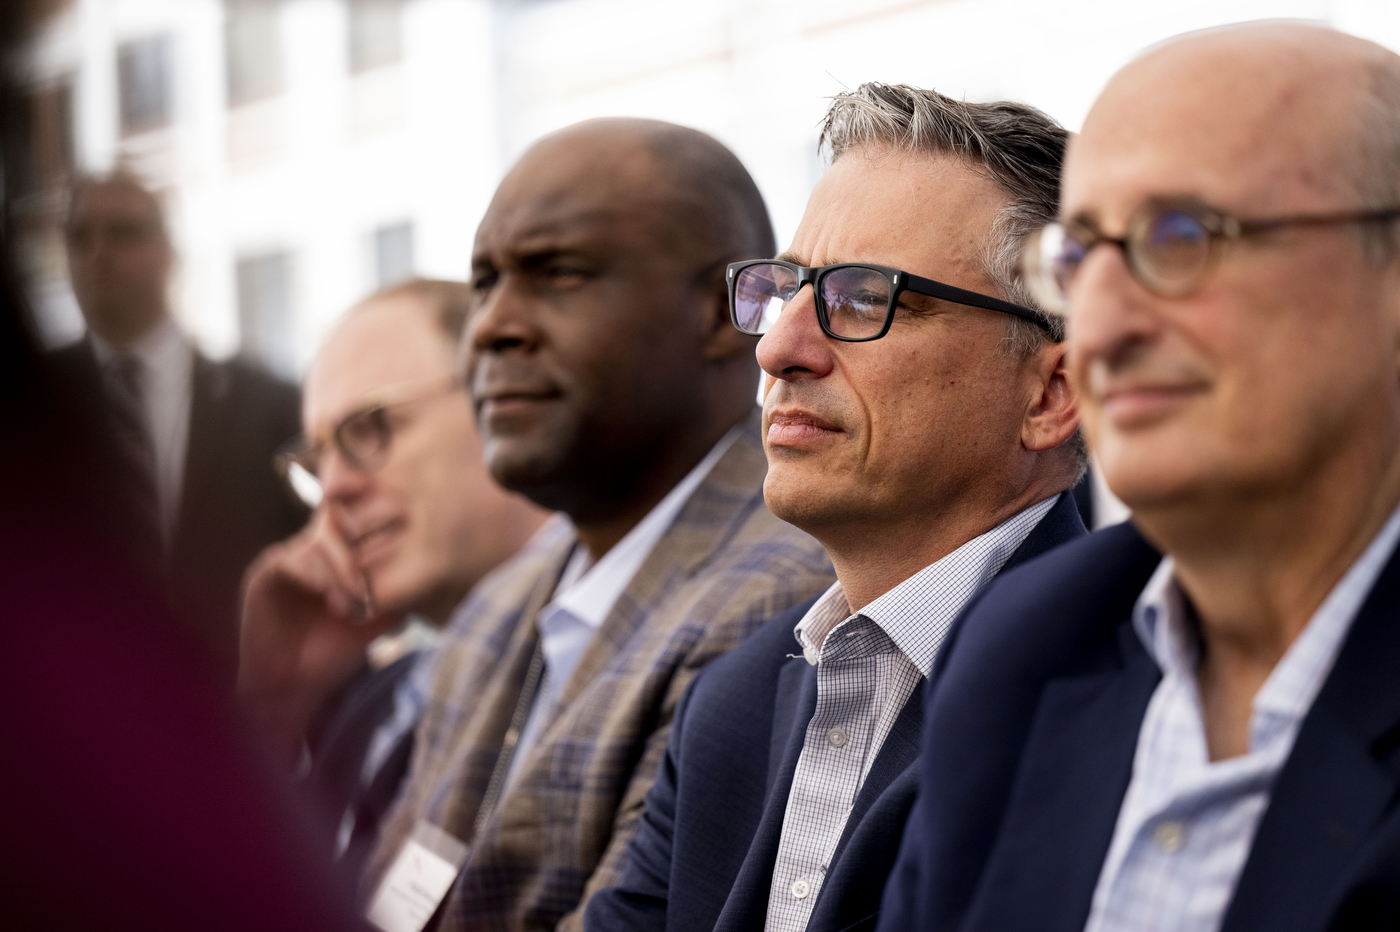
(1170, 246)
(362, 438)
(855, 301)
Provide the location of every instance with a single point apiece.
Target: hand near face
(308, 614)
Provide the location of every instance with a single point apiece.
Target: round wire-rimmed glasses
(362, 438)
(1170, 246)
(855, 301)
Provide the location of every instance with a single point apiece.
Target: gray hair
(1019, 147)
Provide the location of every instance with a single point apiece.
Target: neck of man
(600, 531)
(121, 330)
(1257, 565)
(873, 555)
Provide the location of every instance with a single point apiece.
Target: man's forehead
(384, 345)
(922, 213)
(1237, 119)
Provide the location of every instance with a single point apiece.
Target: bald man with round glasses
(1197, 715)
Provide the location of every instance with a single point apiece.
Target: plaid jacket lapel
(719, 506)
(475, 687)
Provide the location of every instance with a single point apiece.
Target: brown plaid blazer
(561, 829)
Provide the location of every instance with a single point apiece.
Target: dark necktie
(124, 390)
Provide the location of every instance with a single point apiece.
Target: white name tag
(418, 880)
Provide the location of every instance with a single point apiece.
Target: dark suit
(232, 504)
(1031, 730)
(714, 817)
(339, 745)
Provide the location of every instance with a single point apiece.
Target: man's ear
(1053, 413)
(722, 338)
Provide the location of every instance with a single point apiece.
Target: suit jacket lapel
(1337, 783)
(203, 459)
(746, 910)
(1064, 804)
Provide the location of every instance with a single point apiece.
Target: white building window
(144, 71)
(252, 49)
(265, 311)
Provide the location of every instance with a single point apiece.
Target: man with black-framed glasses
(1198, 710)
(339, 620)
(919, 424)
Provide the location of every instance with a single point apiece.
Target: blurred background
(311, 151)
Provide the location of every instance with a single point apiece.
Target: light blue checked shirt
(1187, 823)
(868, 665)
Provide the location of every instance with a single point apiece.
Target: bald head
(695, 194)
(1274, 367)
(599, 348)
(1265, 108)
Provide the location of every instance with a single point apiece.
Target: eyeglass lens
(856, 300)
(760, 294)
(1167, 250)
(363, 438)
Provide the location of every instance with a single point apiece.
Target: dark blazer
(232, 504)
(338, 746)
(703, 858)
(1031, 730)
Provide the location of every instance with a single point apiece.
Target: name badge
(417, 881)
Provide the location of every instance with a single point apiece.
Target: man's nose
(1110, 311)
(341, 481)
(795, 347)
(504, 320)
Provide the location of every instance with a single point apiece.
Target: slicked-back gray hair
(1018, 146)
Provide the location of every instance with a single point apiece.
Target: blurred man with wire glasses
(406, 520)
(1198, 711)
(918, 422)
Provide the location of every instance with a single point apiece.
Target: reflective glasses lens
(760, 294)
(1170, 250)
(857, 301)
(304, 483)
(1053, 256)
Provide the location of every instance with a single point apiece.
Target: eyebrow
(790, 257)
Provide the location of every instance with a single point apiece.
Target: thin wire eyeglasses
(362, 438)
(1170, 246)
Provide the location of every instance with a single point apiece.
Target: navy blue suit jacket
(703, 857)
(1031, 728)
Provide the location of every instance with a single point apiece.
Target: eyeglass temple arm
(927, 286)
(1274, 223)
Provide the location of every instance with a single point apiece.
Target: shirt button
(1170, 836)
(836, 738)
(800, 889)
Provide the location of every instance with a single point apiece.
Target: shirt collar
(916, 613)
(591, 597)
(1163, 623)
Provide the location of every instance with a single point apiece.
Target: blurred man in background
(609, 386)
(408, 520)
(1196, 714)
(196, 436)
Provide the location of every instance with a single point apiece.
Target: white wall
(334, 157)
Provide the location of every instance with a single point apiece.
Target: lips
(1143, 391)
(795, 427)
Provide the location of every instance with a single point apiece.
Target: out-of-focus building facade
(310, 151)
